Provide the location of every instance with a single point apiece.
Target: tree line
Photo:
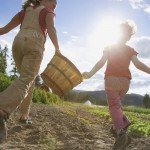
(3, 63)
(146, 101)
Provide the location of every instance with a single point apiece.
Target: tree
(5, 51)
(146, 101)
(3, 59)
(14, 72)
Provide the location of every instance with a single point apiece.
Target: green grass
(48, 142)
(5, 81)
(139, 117)
(139, 110)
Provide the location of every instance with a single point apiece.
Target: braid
(29, 2)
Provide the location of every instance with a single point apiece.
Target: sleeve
(133, 52)
(21, 15)
(50, 11)
(106, 50)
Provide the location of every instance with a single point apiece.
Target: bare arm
(52, 31)
(15, 21)
(139, 65)
(97, 66)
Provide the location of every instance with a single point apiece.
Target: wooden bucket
(61, 75)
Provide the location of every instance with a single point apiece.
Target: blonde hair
(130, 26)
(28, 3)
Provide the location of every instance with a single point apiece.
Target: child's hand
(57, 51)
(86, 75)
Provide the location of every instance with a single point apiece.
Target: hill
(99, 97)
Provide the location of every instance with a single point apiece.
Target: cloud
(74, 38)
(93, 84)
(136, 4)
(139, 4)
(65, 32)
(142, 45)
(140, 83)
(3, 43)
(16, 30)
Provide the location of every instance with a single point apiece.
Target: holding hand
(57, 51)
(86, 75)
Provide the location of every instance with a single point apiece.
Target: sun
(106, 31)
(109, 30)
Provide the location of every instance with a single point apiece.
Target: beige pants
(28, 56)
(24, 107)
(120, 84)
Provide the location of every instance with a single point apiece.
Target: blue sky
(79, 27)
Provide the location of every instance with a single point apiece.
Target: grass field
(139, 117)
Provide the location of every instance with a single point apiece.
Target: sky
(84, 28)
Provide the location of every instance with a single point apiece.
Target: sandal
(113, 132)
(25, 121)
(122, 141)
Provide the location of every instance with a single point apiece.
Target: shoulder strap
(38, 9)
(29, 8)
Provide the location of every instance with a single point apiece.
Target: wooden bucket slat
(71, 64)
(70, 77)
(65, 69)
(55, 88)
(59, 80)
(61, 75)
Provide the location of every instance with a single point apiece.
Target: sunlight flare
(106, 32)
(109, 30)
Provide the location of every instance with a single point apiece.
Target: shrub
(41, 96)
(5, 81)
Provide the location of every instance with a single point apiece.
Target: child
(117, 80)
(36, 19)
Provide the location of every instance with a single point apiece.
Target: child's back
(119, 58)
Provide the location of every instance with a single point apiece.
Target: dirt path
(62, 128)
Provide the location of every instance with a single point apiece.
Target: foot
(25, 120)
(113, 132)
(122, 141)
(3, 128)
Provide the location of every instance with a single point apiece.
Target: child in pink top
(117, 80)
